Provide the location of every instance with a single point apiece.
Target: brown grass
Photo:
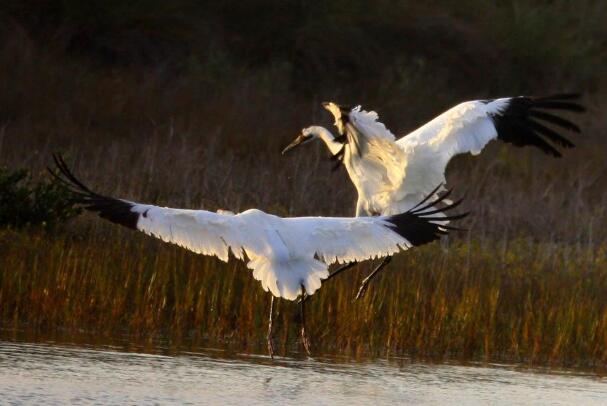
(539, 303)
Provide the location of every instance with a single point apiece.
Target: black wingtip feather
(552, 135)
(428, 197)
(418, 226)
(561, 96)
(440, 199)
(440, 210)
(559, 105)
(521, 123)
(115, 210)
(556, 120)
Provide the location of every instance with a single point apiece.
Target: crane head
(306, 136)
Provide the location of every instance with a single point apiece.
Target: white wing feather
(375, 161)
(200, 231)
(338, 239)
(284, 253)
(464, 128)
(366, 122)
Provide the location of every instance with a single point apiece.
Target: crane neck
(329, 140)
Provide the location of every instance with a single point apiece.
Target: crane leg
(341, 269)
(304, 336)
(334, 273)
(365, 283)
(269, 336)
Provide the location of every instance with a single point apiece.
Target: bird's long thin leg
(269, 337)
(341, 269)
(304, 337)
(365, 283)
(333, 274)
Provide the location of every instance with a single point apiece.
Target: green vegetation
(188, 104)
(25, 204)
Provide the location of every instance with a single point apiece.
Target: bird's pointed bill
(300, 140)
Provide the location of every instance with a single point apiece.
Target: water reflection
(59, 374)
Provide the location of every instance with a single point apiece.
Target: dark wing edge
(420, 225)
(523, 121)
(342, 136)
(115, 210)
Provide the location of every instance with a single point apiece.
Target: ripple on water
(59, 374)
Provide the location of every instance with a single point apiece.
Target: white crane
(289, 256)
(391, 175)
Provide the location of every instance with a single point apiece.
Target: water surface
(61, 374)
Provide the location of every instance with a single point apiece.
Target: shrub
(24, 203)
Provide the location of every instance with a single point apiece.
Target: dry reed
(540, 303)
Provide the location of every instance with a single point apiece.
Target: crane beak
(300, 140)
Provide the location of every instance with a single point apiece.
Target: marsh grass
(538, 303)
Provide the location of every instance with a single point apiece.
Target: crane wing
(469, 126)
(382, 159)
(204, 232)
(200, 231)
(520, 121)
(338, 239)
(364, 121)
(367, 123)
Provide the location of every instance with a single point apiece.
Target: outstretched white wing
(349, 239)
(200, 231)
(469, 126)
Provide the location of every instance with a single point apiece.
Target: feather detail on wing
(367, 123)
(379, 159)
(361, 238)
(209, 233)
(200, 231)
(466, 127)
(470, 126)
(523, 121)
(382, 162)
